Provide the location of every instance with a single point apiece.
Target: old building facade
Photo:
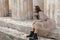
(23, 9)
(52, 10)
(20, 9)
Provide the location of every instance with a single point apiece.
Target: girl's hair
(37, 8)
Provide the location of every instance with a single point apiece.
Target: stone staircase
(16, 35)
(19, 29)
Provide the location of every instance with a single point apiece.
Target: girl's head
(37, 9)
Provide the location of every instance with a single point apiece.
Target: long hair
(37, 8)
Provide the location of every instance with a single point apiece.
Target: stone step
(22, 27)
(13, 34)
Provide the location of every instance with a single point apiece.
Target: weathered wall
(21, 9)
(52, 9)
(49, 8)
(4, 8)
(13, 6)
(57, 12)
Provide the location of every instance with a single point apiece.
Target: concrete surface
(19, 29)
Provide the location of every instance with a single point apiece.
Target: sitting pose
(43, 26)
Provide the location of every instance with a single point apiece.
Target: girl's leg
(36, 28)
(35, 31)
(33, 27)
(31, 32)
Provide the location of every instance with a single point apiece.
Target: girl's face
(34, 10)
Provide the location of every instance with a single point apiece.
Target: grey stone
(54, 34)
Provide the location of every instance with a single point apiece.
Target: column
(13, 8)
(30, 9)
(4, 8)
(57, 12)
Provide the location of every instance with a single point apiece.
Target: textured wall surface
(4, 7)
(52, 10)
(21, 9)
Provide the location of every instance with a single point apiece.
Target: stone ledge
(16, 35)
(26, 29)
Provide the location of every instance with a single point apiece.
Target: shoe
(32, 39)
(31, 34)
(35, 36)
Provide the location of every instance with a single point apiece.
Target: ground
(11, 29)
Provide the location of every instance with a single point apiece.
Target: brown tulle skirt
(45, 27)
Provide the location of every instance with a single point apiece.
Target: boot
(31, 34)
(35, 36)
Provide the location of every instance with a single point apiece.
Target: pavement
(18, 29)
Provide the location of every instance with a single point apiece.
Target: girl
(42, 26)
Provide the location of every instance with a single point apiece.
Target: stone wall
(52, 10)
(58, 12)
(21, 9)
(4, 8)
